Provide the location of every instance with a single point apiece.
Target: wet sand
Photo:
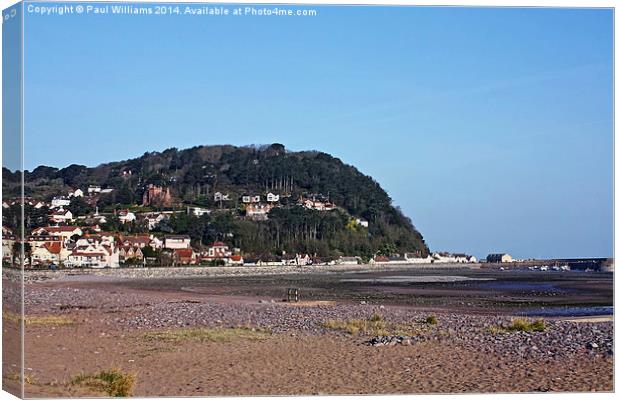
(488, 291)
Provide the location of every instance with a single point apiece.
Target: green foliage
(79, 206)
(148, 251)
(431, 320)
(125, 195)
(112, 224)
(388, 249)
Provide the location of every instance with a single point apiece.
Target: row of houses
(71, 247)
(125, 216)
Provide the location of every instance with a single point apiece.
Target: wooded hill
(194, 175)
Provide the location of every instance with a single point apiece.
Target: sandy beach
(352, 332)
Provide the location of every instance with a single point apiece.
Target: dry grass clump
(373, 326)
(114, 382)
(208, 334)
(431, 320)
(16, 376)
(40, 320)
(520, 325)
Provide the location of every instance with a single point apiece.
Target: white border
(480, 3)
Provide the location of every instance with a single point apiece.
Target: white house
(126, 216)
(76, 193)
(361, 222)
(217, 251)
(140, 241)
(7, 247)
(349, 260)
(93, 189)
(317, 205)
(60, 202)
(49, 252)
(464, 258)
(302, 259)
(273, 198)
(93, 255)
(61, 216)
(156, 243)
(105, 240)
(218, 196)
(444, 257)
(414, 258)
(258, 212)
(177, 242)
(155, 218)
(250, 198)
(198, 211)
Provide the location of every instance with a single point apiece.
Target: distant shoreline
(204, 271)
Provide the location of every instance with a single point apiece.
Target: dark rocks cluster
(393, 340)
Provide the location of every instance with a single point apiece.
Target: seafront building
(499, 258)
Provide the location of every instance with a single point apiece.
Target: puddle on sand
(515, 285)
(568, 311)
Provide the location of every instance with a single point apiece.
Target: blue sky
(491, 128)
(11, 88)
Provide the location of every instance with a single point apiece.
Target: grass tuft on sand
(49, 320)
(114, 382)
(520, 325)
(208, 334)
(38, 320)
(16, 376)
(431, 320)
(373, 326)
